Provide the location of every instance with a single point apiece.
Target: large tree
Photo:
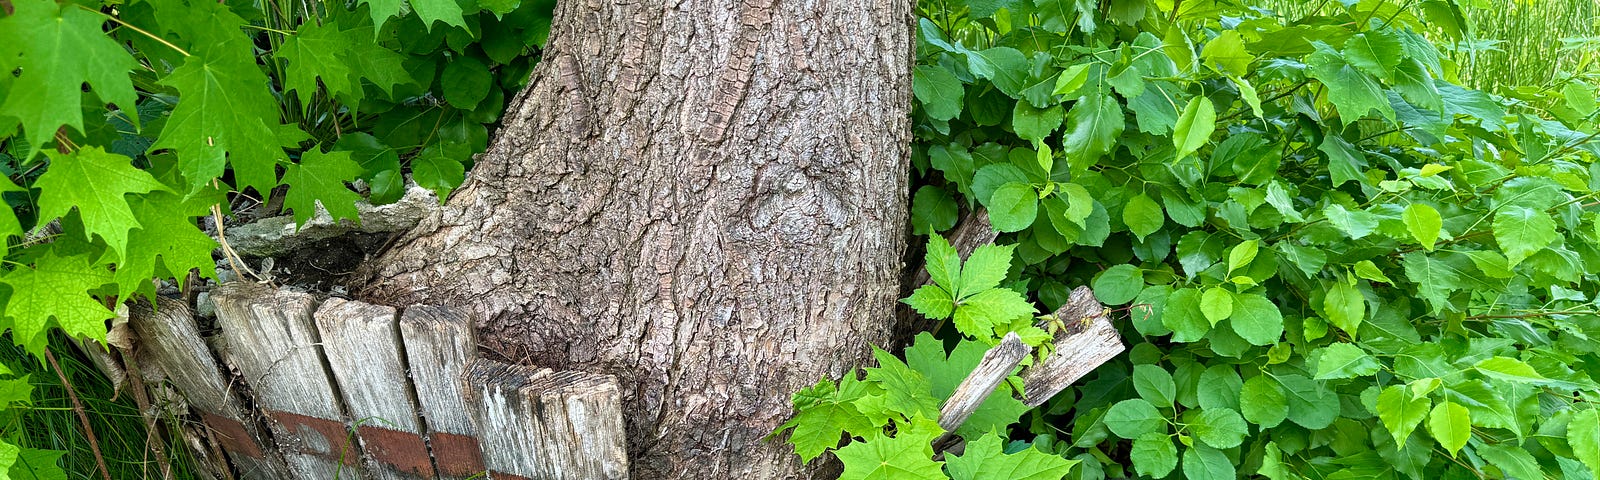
(705, 198)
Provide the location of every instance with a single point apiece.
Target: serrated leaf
(927, 356)
(1034, 124)
(905, 391)
(1093, 125)
(905, 456)
(1345, 306)
(1242, 254)
(1424, 223)
(56, 287)
(818, 425)
(1143, 216)
(1344, 360)
(1118, 284)
(1451, 425)
(1154, 455)
(1256, 319)
(1194, 126)
(1509, 369)
(96, 183)
(1013, 207)
(430, 11)
(60, 48)
(1401, 412)
(977, 315)
(939, 91)
(1134, 417)
(985, 268)
(1154, 384)
(932, 301)
(1353, 92)
(985, 458)
(1263, 402)
(1219, 427)
(1375, 52)
(320, 178)
(1310, 405)
(167, 232)
(1522, 232)
(943, 262)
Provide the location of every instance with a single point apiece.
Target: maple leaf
(428, 11)
(320, 177)
(907, 455)
(341, 57)
(94, 182)
(9, 225)
(61, 47)
(986, 458)
(169, 233)
(56, 287)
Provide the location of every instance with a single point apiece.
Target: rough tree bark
(705, 198)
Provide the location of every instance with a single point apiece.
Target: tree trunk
(705, 198)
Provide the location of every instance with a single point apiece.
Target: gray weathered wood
(546, 424)
(997, 364)
(170, 345)
(270, 338)
(439, 343)
(972, 232)
(1088, 342)
(362, 344)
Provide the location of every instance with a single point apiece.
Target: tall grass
(1516, 42)
(51, 423)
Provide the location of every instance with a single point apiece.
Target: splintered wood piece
(997, 364)
(271, 339)
(170, 343)
(362, 343)
(1088, 342)
(439, 344)
(546, 424)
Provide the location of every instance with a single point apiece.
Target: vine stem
(77, 407)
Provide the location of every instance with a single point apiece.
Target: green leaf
(933, 210)
(1219, 387)
(904, 456)
(38, 464)
(226, 115)
(1013, 207)
(1509, 369)
(1357, 224)
(1182, 315)
(1004, 66)
(1134, 417)
(932, 301)
(985, 268)
(986, 458)
(1583, 435)
(1451, 425)
(1194, 127)
(313, 53)
(95, 183)
(1310, 405)
(943, 262)
(977, 315)
(1219, 427)
(433, 169)
(1401, 412)
(1035, 124)
(465, 81)
(1154, 384)
(60, 47)
(1119, 284)
(1345, 306)
(1345, 161)
(1368, 270)
(430, 11)
(1344, 360)
(939, 91)
(1216, 304)
(818, 426)
(1079, 204)
(1352, 92)
(1143, 216)
(1256, 319)
(1093, 125)
(56, 287)
(906, 391)
(1522, 232)
(1205, 463)
(1513, 460)
(1242, 254)
(167, 232)
(927, 356)
(1154, 455)
(320, 178)
(1424, 224)
(1435, 280)
(1227, 54)
(1263, 402)
(1375, 52)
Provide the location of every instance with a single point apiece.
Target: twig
(222, 239)
(77, 407)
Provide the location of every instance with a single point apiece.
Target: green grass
(52, 424)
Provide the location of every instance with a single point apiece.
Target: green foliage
(124, 122)
(1335, 261)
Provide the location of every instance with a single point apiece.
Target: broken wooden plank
(362, 344)
(170, 343)
(1088, 341)
(996, 365)
(439, 343)
(270, 338)
(546, 424)
(974, 231)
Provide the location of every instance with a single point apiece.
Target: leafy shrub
(125, 121)
(1348, 266)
